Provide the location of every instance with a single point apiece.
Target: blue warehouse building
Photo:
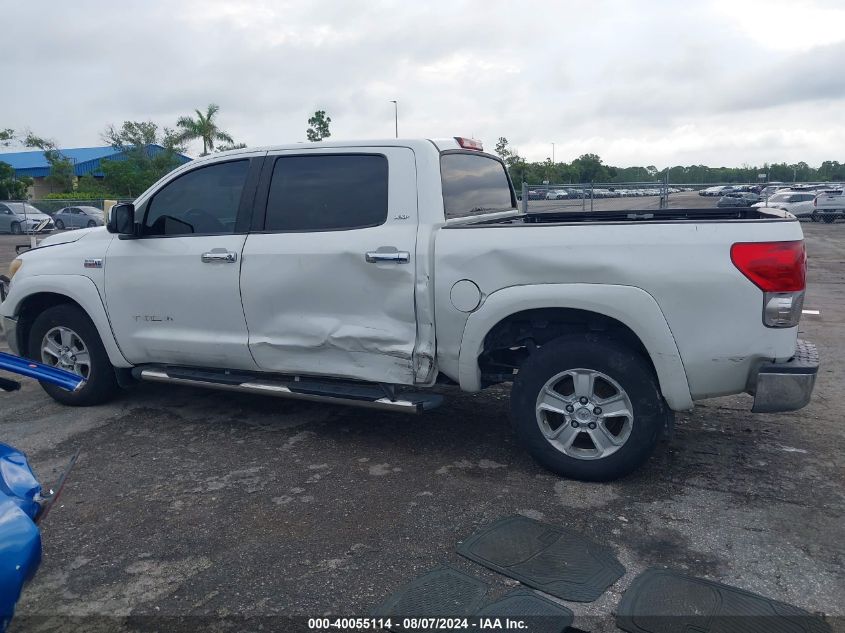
(86, 160)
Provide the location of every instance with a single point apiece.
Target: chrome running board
(353, 394)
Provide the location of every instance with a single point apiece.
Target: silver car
(20, 217)
(78, 218)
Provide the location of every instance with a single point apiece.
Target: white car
(557, 194)
(367, 273)
(799, 204)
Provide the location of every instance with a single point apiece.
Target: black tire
(91, 224)
(627, 368)
(101, 384)
(814, 216)
(60, 225)
(829, 218)
(16, 228)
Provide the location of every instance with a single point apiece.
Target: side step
(348, 393)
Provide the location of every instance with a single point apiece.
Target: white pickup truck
(829, 205)
(367, 272)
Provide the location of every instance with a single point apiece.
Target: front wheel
(60, 225)
(91, 224)
(65, 337)
(587, 407)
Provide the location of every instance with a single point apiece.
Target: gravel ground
(197, 509)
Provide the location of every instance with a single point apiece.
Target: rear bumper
(786, 386)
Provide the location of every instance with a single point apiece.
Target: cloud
(638, 83)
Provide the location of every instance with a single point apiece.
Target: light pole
(395, 115)
(553, 153)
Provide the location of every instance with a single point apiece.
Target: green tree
(62, 172)
(11, 187)
(589, 168)
(502, 148)
(204, 127)
(230, 146)
(140, 164)
(318, 126)
(7, 136)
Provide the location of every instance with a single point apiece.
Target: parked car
(536, 194)
(593, 318)
(771, 190)
(748, 198)
(798, 204)
(78, 218)
(738, 200)
(557, 194)
(712, 191)
(829, 205)
(22, 217)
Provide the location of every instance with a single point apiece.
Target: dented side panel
(314, 304)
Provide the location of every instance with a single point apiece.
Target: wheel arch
(33, 295)
(629, 313)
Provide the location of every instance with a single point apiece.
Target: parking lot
(192, 506)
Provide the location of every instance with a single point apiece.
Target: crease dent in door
(339, 322)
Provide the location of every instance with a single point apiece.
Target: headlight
(14, 267)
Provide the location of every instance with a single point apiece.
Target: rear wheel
(829, 218)
(16, 228)
(587, 408)
(60, 225)
(91, 224)
(65, 337)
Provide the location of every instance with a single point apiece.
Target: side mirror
(122, 219)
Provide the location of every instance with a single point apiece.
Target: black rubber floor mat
(539, 614)
(664, 601)
(559, 562)
(444, 592)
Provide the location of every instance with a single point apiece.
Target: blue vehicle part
(20, 540)
(40, 371)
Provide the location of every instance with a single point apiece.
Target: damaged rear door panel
(328, 271)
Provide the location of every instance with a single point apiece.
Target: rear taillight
(772, 266)
(779, 269)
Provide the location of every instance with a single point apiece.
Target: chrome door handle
(225, 257)
(397, 257)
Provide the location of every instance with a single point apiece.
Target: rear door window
(327, 192)
(474, 184)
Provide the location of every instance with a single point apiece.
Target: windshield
(19, 208)
(474, 184)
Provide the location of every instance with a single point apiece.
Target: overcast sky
(719, 82)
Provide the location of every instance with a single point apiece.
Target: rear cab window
(474, 184)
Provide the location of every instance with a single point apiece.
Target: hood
(66, 237)
(38, 217)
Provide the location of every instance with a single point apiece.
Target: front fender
(80, 289)
(629, 305)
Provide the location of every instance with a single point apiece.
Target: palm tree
(203, 127)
